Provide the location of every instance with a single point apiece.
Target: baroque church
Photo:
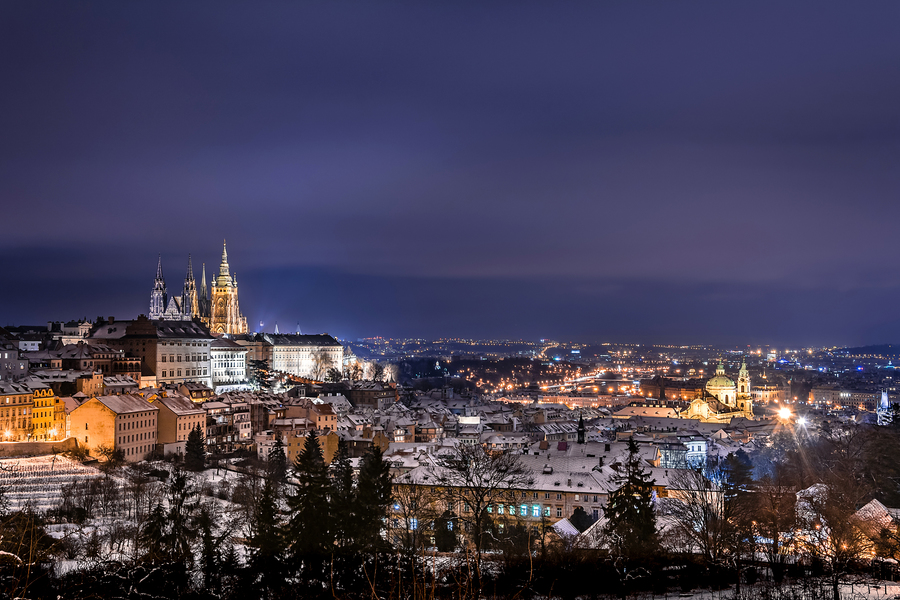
(723, 399)
(216, 307)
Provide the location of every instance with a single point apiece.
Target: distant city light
(784, 413)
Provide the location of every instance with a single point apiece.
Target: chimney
(111, 320)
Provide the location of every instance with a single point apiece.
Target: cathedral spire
(223, 266)
(158, 297)
(203, 293)
(189, 304)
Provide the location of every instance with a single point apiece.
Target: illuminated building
(723, 399)
(16, 406)
(225, 313)
(217, 306)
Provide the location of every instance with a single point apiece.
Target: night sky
(601, 171)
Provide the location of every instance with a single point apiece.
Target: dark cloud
(487, 168)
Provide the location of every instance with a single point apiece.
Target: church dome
(720, 381)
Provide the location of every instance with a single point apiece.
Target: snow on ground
(39, 481)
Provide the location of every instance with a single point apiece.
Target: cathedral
(216, 307)
(723, 399)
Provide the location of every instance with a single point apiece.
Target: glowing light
(784, 413)
(801, 421)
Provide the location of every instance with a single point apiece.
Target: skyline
(705, 174)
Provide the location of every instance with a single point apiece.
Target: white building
(228, 362)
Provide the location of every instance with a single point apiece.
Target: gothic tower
(225, 312)
(158, 297)
(203, 298)
(189, 304)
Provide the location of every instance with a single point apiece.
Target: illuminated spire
(223, 266)
(203, 293)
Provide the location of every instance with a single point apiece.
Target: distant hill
(878, 349)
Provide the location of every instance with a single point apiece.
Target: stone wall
(8, 449)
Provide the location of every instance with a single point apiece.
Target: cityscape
(450, 301)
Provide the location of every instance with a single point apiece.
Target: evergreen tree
(266, 541)
(445, 536)
(152, 533)
(310, 529)
(180, 532)
(195, 450)
(580, 519)
(343, 495)
(209, 551)
(373, 497)
(277, 463)
(259, 374)
(631, 526)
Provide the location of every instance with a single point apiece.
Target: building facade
(172, 351)
(228, 361)
(119, 423)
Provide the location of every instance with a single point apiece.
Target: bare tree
(775, 519)
(701, 513)
(831, 531)
(474, 482)
(412, 518)
(321, 362)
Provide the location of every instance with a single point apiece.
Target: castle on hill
(216, 307)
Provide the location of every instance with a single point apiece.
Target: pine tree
(580, 519)
(209, 551)
(373, 497)
(152, 533)
(310, 529)
(277, 463)
(343, 495)
(195, 450)
(631, 523)
(267, 544)
(259, 374)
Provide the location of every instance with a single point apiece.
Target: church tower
(225, 313)
(203, 298)
(189, 304)
(743, 385)
(744, 399)
(158, 297)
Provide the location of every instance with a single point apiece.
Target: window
(499, 509)
(523, 510)
(536, 510)
(559, 496)
(546, 495)
(546, 511)
(558, 511)
(413, 523)
(595, 514)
